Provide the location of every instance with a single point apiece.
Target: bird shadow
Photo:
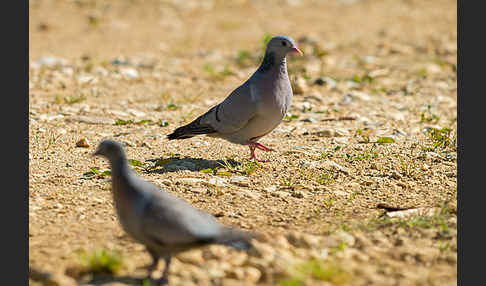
(86, 279)
(107, 279)
(174, 164)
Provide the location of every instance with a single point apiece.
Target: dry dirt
(325, 198)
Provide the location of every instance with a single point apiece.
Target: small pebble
(83, 143)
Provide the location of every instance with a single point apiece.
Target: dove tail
(190, 130)
(235, 238)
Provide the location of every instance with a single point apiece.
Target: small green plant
(326, 177)
(441, 137)
(417, 221)
(422, 72)
(326, 154)
(329, 202)
(100, 261)
(135, 163)
(362, 79)
(319, 52)
(146, 282)
(174, 155)
(408, 167)
(166, 96)
(226, 71)
(384, 90)
(367, 155)
(93, 20)
(376, 223)
(53, 138)
(210, 69)
(218, 75)
(444, 246)
(364, 135)
(120, 122)
(265, 40)
(162, 161)
(93, 172)
(144, 121)
(438, 220)
(352, 196)
(249, 167)
(289, 117)
(341, 247)
(208, 171)
(70, 99)
(245, 168)
(172, 106)
(74, 99)
(385, 140)
(163, 123)
(329, 153)
(291, 282)
(318, 270)
(244, 58)
(58, 99)
(428, 116)
(288, 183)
(123, 122)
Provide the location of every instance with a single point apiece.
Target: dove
(165, 224)
(253, 109)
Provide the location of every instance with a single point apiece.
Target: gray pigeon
(253, 109)
(165, 224)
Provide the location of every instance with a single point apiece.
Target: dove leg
(261, 146)
(255, 145)
(164, 280)
(155, 262)
(252, 154)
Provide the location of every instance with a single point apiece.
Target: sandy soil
(331, 203)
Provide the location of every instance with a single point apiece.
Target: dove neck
(273, 61)
(119, 166)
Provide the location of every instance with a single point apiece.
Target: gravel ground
(361, 189)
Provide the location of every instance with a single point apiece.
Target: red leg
(261, 146)
(252, 146)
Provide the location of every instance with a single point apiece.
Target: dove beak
(297, 51)
(96, 153)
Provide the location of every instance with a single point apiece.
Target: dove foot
(253, 157)
(155, 262)
(259, 146)
(162, 281)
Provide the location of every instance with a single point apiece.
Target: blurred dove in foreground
(165, 224)
(253, 109)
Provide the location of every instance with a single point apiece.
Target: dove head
(111, 150)
(282, 45)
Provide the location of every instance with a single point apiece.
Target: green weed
(428, 116)
(441, 138)
(327, 177)
(329, 202)
(100, 261)
(69, 99)
(318, 270)
(367, 155)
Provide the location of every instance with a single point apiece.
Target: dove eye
(284, 44)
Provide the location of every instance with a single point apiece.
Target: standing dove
(165, 224)
(253, 109)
